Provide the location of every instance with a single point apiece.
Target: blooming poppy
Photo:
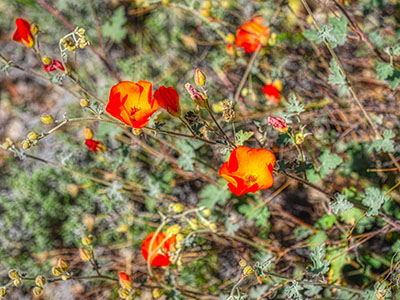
(161, 246)
(95, 146)
(168, 99)
(51, 64)
(251, 34)
(132, 103)
(248, 170)
(271, 92)
(23, 33)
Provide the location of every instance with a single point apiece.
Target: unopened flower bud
(7, 144)
(123, 293)
(198, 97)
(124, 281)
(87, 240)
(193, 224)
(205, 12)
(173, 230)
(179, 237)
(248, 271)
(46, 60)
(40, 281)
(56, 271)
(177, 207)
(88, 133)
(199, 78)
(17, 282)
(278, 123)
(3, 291)
(157, 293)
(13, 274)
(64, 277)
(213, 227)
(299, 138)
(34, 29)
(62, 264)
(85, 254)
(206, 212)
(242, 263)
(25, 144)
(46, 119)
(32, 136)
(230, 38)
(278, 84)
(244, 92)
(37, 291)
(84, 102)
(81, 31)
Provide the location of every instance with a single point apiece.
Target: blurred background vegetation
(45, 209)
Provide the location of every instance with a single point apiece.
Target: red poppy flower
(248, 170)
(161, 246)
(132, 103)
(125, 281)
(53, 65)
(95, 146)
(271, 92)
(23, 33)
(168, 99)
(251, 33)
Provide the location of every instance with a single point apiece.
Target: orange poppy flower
(23, 33)
(95, 146)
(125, 281)
(132, 103)
(251, 34)
(271, 92)
(248, 170)
(161, 246)
(168, 99)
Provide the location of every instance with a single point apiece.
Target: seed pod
(228, 115)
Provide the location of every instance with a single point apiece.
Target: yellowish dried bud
(193, 224)
(206, 212)
(3, 291)
(17, 282)
(34, 29)
(227, 104)
(87, 240)
(230, 38)
(84, 102)
(248, 271)
(165, 1)
(62, 264)
(25, 144)
(199, 78)
(40, 281)
(123, 293)
(37, 291)
(32, 136)
(136, 131)
(244, 92)
(46, 60)
(228, 115)
(179, 237)
(178, 207)
(278, 84)
(46, 119)
(56, 271)
(173, 230)
(81, 31)
(242, 263)
(198, 97)
(65, 277)
(88, 133)
(157, 293)
(85, 254)
(213, 227)
(13, 274)
(299, 138)
(7, 144)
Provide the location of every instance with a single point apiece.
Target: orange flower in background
(248, 170)
(95, 146)
(52, 65)
(168, 99)
(125, 281)
(132, 103)
(23, 33)
(271, 92)
(161, 246)
(251, 34)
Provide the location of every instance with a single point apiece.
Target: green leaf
(114, 28)
(320, 264)
(230, 227)
(312, 35)
(339, 30)
(329, 162)
(318, 238)
(380, 292)
(259, 213)
(185, 160)
(386, 144)
(258, 291)
(374, 199)
(336, 77)
(338, 263)
(242, 136)
(294, 107)
(326, 222)
(312, 290)
(213, 195)
(292, 291)
(341, 204)
(384, 70)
